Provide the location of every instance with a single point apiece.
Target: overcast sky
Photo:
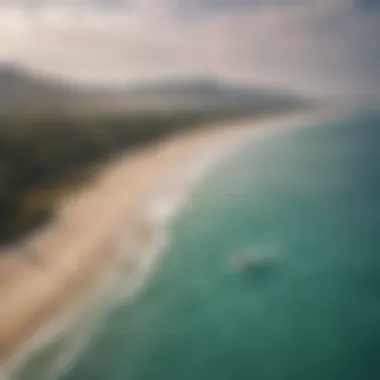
(320, 46)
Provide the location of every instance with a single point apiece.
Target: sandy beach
(57, 265)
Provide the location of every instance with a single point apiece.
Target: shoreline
(80, 248)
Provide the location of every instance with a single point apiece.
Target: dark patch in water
(261, 272)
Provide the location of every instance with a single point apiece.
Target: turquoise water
(310, 194)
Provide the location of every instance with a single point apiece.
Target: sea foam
(72, 331)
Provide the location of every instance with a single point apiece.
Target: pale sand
(58, 264)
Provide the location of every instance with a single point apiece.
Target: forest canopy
(43, 155)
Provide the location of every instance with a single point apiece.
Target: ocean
(306, 200)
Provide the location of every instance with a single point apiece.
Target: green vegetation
(45, 155)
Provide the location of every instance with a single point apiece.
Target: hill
(21, 88)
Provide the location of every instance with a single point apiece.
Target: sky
(312, 46)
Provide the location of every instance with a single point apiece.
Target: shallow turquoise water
(312, 195)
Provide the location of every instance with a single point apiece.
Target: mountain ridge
(20, 87)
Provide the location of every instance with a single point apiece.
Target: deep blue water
(312, 195)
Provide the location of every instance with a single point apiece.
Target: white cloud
(314, 45)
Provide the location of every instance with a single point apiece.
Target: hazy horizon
(313, 47)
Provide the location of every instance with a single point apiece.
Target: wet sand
(56, 266)
(59, 263)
